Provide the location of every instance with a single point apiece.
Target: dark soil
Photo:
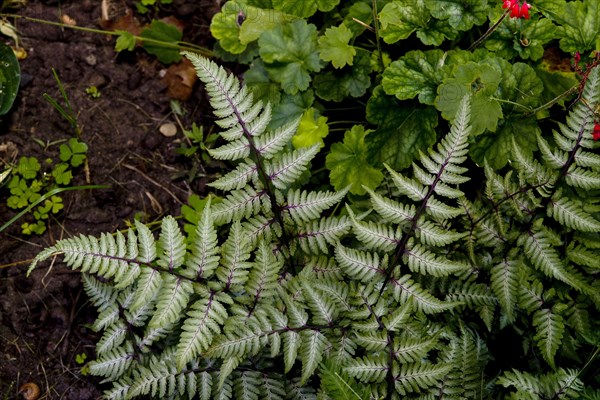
(45, 318)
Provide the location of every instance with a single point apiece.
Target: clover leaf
(415, 73)
(311, 130)
(73, 152)
(61, 174)
(334, 47)
(401, 131)
(28, 167)
(348, 163)
(290, 54)
(482, 81)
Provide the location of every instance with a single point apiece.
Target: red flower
(517, 10)
(596, 133)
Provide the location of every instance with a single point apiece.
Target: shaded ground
(44, 318)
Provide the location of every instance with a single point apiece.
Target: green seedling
(93, 92)
(67, 111)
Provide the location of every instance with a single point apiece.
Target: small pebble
(168, 130)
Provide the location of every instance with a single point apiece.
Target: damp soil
(45, 318)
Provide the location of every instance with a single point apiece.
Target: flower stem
(489, 31)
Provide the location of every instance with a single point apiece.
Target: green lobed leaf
(482, 81)
(512, 38)
(334, 47)
(338, 85)
(10, 78)
(415, 73)
(304, 8)
(290, 54)
(461, 14)
(496, 147)
(166, 53)
(399, 19)
(312, 130)
(401, 131)
(349, 164)
(580, 22)
(125, 41)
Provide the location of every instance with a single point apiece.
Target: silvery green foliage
(276, 296)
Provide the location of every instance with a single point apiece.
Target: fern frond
(112, 338)
(315, 237)
(405, 288)
(553, 158)
(237, 205)
(311, 352)
(434, 235)
(291, 344)
(368, 369)
(263, 276)
(375, 236)
(391, 210)
(114, 363)
(416, 377)
(271, 143)
(571, 214)
(550, 328)
(236, 150)
(171, 245)
(172, 299)
(304, 206)
(205, 318)
(583, 178)
(203, 257)
(238, 178)
(409, 187)
(410, 350)
(234, 261)
(542, 255)
(287, 168)
(504, 281)
(364, 266)
(247, 385)
(149, 284)
(425, 262)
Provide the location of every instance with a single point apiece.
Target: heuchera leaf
(479, 79)
(461, 14)
(513, 38)
(166, 33)
(401, 131)
(580, 22)
(555, 83)
(290, 53)
(312, 130)
(401, 18)
(496, 147)
(349, 164)
(338, 85)
(290, 107)
(334, 47)
(257, 79)
(304, 8)
(415, 73)
(360, 11)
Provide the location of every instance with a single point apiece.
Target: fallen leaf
(180, 79)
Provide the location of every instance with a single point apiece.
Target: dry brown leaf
(180, 79)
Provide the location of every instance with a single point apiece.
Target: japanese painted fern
(277, 296)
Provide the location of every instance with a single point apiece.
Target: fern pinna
(276, 295)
